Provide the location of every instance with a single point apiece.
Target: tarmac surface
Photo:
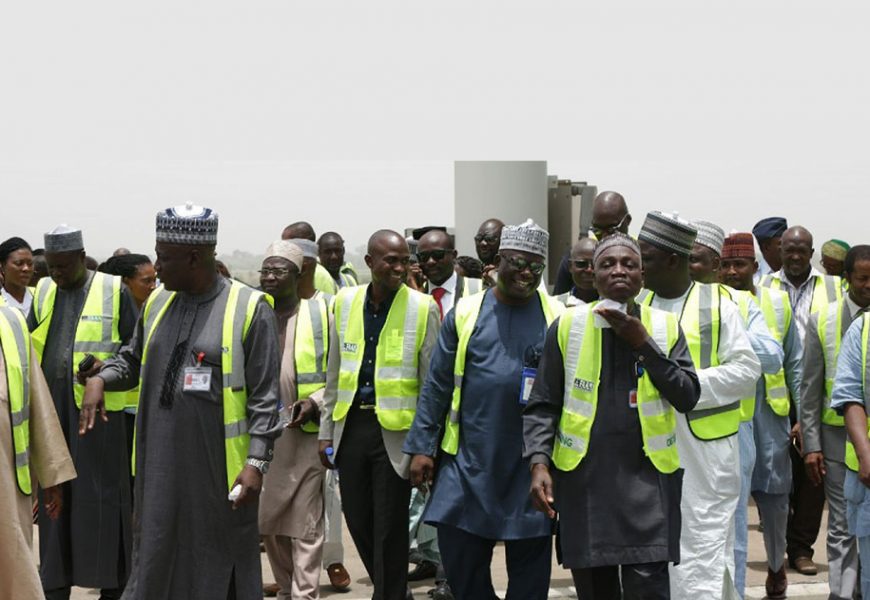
(561, 584)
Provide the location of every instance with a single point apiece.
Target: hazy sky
(270, 111)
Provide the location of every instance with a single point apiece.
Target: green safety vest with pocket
(16, 341)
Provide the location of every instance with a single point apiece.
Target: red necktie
(438, 293)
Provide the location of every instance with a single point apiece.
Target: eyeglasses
(436, 254)
(277, 272)
(582, 265)
(520, 264)
(489, 238)
(600, 230)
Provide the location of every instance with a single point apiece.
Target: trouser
(333, 550)
(64, 593)
(774, 513)
(842, 547)
(746, 441)
(467, 560)
(646, 581)
(296, 565)
(423, 537)
(805, 517)
(375, 503)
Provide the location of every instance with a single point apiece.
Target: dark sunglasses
(489, 238)
(600, 230)
(521, 264)
(582, 265)
(436, 254)
(279, 272)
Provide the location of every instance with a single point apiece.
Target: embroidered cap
(286, 249)
(668, 232)
(527, 237)
(710, 235)
(63, 238)
(739, 245)
(188, 225)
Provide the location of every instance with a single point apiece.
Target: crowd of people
(164, 423)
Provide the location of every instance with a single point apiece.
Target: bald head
(583, 247)
(796, 251)
(300, 230)
(609, 214)
(798, 233)
(384, 238)
(487, 240)
(435, 239)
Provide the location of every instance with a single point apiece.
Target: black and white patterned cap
(710, 235)
(188, 225)
(668, 232)
(527, 237)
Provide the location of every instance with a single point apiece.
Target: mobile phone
(87, 363)
(294, 411)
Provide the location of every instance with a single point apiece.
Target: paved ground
(561, 586)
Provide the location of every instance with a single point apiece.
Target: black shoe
(441, 592)
(425, 570)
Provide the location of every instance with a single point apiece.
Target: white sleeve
(739, 368)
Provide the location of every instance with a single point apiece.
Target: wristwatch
(261, 465)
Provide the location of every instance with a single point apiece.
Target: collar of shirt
(385, 304)
(449, 285)
(811, 278)
(853, 308)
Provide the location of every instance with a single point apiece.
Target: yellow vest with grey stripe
(96, 331)
(396, 358)
(242, 302)
(776, 309)
(833, 321)
(580, 342)
(700, 321)
(826, 289)
(466, 313)
(310, 350)
(16, 343)
(851, 455)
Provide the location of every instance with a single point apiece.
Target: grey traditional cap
(63, 238)
(710, 235)
(189, 225)
(668, 232)
(309, 248)
(527, 237)
(286, 249)
(613, 240)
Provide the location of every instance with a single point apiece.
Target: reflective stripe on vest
(580, 342)
(826, 289)
(241, 304)
(466, 313)
(851, 455)
(96, 332)
(16, 341)
(470, 287)
(776, 309)
(700, 321)
(310, 351)
(396, 357)
(830, 332)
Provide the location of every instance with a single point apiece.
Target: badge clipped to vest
(198, 378)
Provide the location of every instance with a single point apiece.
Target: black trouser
(644, 581)
(375, 503)
(806, 504)
(64, 593)
(467, 559)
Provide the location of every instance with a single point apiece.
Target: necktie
(438, 293)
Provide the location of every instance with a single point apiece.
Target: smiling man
(611, 444)
(481, 375)
(385, 335)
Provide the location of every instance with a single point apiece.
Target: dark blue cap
(771, 227)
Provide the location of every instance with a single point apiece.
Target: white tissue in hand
(235, 493)
(601, 322)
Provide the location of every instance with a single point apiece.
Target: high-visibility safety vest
(580, 342)
(324, 282)
(396, 358)
(700, 321)
(96, 332)
(16, 341)
(310, 350)
(851, 455)
(826, 289)
(466, 313)
(242, 302)
(776, 309)
(833, 321)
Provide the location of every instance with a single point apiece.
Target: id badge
(632, 399)
(527, 383)
(197, 379)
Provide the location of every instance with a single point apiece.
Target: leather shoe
(339, 578)
(441, 591)
(776, 584)
(270, 590)
(425, 570)
(804, 565)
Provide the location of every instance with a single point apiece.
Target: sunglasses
(582, 265)
(489, 238)
(279, 272)
(600, 230)
(436, 254)
(520, 264)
